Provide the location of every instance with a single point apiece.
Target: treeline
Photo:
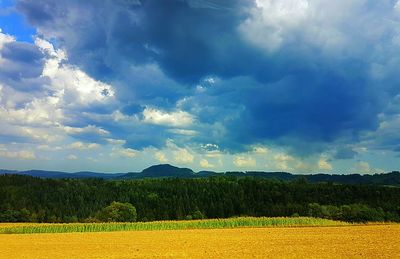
(25, 198)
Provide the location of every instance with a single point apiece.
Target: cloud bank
(313, 77)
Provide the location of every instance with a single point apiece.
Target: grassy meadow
(27, 228)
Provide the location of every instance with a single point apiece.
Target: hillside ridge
(167, 170)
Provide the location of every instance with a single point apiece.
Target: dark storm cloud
(186, 42)
(320, 108)
(21, 66)
(22, 52)
(345, 153)
(21, 60)
(157, 52)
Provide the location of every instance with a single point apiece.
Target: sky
(302, 86)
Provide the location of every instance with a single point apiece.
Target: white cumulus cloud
(260, 150)
(83, 146)
(125, 152)
(204, 163)
(243, 161)
(160, 156)
(183, 156)
(323, 164)
(173, 119)
(74, 85)
(21, 154)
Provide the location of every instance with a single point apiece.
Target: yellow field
(370, 241)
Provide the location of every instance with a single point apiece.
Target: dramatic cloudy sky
(118, 85)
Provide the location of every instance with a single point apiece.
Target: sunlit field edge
(29, 228)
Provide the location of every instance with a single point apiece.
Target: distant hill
(166, 170)
(59, 175)
(157, 171)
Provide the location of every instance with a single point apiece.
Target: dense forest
(26, 198)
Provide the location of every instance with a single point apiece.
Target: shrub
(117, 212)
(198, 215)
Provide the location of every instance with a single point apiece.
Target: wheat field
(363, 241)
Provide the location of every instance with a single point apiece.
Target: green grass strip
(171, 225)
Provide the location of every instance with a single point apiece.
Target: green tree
(117, 212)
(315, 210)
(198, 215)
(25, 215)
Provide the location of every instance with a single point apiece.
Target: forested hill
(25, 198)
(166, 170)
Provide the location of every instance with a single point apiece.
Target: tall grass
(171, 225)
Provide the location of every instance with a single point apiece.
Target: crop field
(358, 241)
(28, 228)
